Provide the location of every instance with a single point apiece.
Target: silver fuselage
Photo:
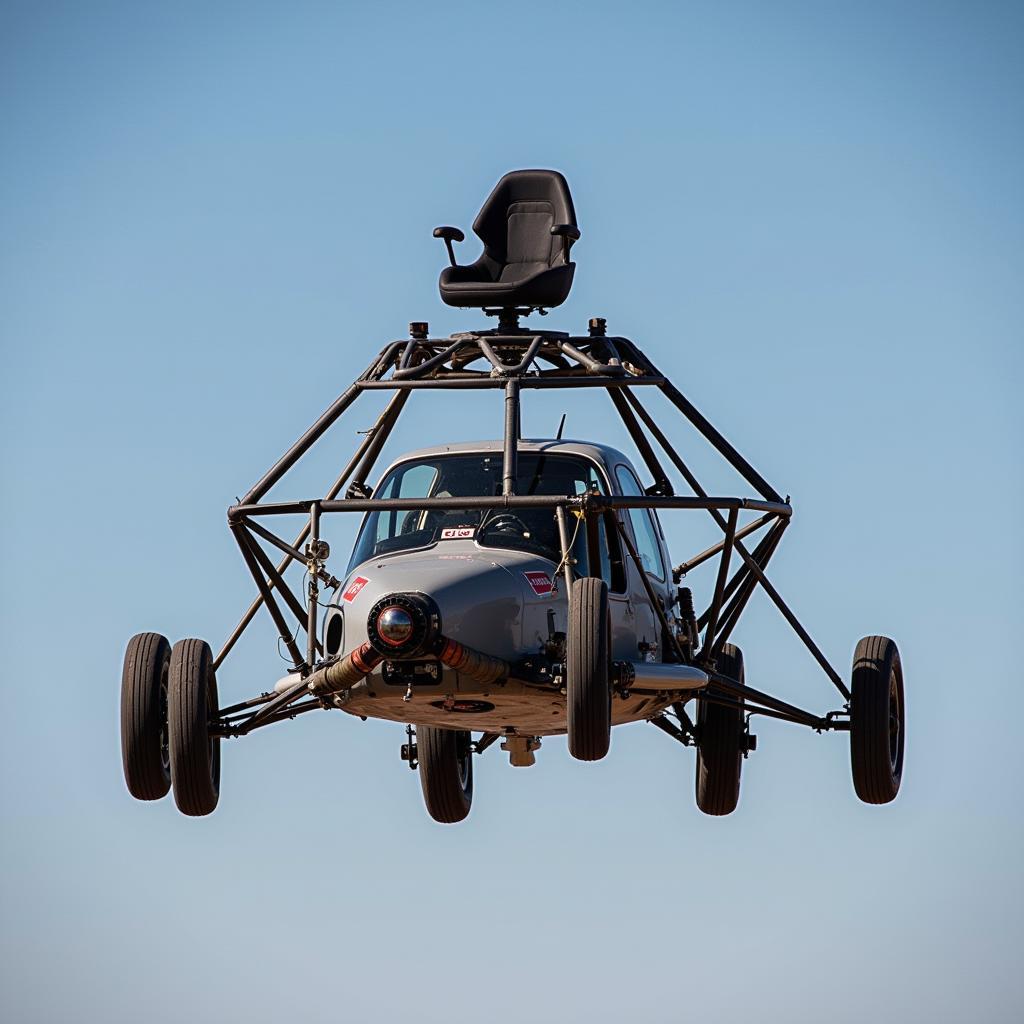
(503, 602)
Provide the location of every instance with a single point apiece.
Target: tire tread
(875, 659)
(588, 703)
(141, 724)
(195, 762)
(437, 749)
(719, 749)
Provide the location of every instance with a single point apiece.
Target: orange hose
(356, 665)
(480, 667)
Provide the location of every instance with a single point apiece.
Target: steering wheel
(506, 521)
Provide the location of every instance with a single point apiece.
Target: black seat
(527, 226)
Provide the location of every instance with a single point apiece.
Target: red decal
(357, 584)
(458, 533)
(540, 582)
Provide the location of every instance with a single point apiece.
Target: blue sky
(810, 215)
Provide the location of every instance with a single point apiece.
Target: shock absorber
(689, 617)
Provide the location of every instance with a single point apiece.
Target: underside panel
(514, 707)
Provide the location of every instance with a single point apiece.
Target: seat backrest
(516, 220)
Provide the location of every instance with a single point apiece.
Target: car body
(497, 595)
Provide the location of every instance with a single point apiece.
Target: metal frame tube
(242, 727)
(655, 603)
(745, 555)
(306, 441)
(762, 553)
(744, 692)
(788, 615)
(585, 502)
(723, 572)
(431, 363)
(563, 539)
(690, 411)
(507, 369)
(378, 437)
(510, 457)
(388, 417)
(243, 539)
(744, 531)
(275, 580)
(741, 576)
(538, 382)
(647, 453)
(312, 647)
(591, 364)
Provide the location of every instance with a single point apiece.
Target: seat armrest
(569, 234)
(566, 230)
(449, 235)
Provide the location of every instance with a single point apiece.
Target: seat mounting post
(508, 320)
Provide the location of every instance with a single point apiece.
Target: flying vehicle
(513, 590)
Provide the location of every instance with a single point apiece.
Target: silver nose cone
(394, 625)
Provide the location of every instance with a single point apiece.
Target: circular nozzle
(394, 625)
(402, 625)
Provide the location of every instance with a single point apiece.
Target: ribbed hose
(358, 664)
(342, 674)
(480, 667)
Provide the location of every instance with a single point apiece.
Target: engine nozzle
(402, 625)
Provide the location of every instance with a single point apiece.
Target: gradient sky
(810, 215)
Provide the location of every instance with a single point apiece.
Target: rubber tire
(720, 744)
(446, 772)
(144, 744)
(588, 670)
(877, 721)
(191, 704)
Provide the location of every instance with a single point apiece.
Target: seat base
(471, 287)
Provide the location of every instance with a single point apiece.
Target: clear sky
(811, 215)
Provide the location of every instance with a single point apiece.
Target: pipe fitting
(356, 665)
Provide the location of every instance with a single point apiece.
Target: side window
(644, 530)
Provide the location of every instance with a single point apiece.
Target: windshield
(444, 476)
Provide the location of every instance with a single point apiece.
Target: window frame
(657, 535)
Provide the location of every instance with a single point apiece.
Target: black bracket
(409, 752)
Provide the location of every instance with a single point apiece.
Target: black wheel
(877, 720)
(720, 744)
(191, 703)
(588, 670)
(446, 772)
(144, 747)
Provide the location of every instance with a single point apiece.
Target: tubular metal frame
(521, 359)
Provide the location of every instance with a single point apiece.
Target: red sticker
(540, 582)
(357, 584)
(458, 533)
